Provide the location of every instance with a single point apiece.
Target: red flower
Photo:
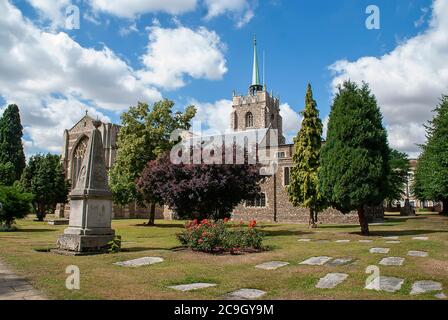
(226, 220)
(205, 221)
(252, 224)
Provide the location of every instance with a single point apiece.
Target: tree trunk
(363, 222)
(312, 221)
(445, 206)
(152, 215)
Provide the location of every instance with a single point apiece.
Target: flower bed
(221, 236)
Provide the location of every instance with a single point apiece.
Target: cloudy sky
(199, 52)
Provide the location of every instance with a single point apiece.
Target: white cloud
(132, 8)
(214, 117)
(292, 122)
(408, 81)
(124, 31)
(50, 121)
(51, 77)
(176, 53)
(52, 10)
(240, 10)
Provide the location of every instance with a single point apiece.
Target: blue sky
(301, 40)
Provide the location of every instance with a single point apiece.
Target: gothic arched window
(249, 120)
(78, 156)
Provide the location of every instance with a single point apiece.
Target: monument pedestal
(79, 244)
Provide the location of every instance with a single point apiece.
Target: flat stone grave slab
(272, 265)
(247, 294)
(342, 241)
(316, 261)
(391, 238)
(340, 262)
(392, 261)
(192, 286)
(365, 241)
(421, 238)
(331, 280)
(440, 296)
(379, 250)
(393, 242)
(388, 284)
(304, 240)
(425, 286)
(420, 254)
(146, 261)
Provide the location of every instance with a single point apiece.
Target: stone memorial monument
(89, 229)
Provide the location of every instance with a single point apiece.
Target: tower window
(249, 120)
(235, 121)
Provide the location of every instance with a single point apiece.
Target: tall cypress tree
(11, 132)
(355, 157)
(303, 189)
(432, 169)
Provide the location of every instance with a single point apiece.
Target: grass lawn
(100, 279)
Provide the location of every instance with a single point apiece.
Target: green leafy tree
(44, 178)
(303, 189)
(355, 157)
(144, 136)
(11, 132)
(431, 175)
(7, 174)
(14, 204)
(398, 176)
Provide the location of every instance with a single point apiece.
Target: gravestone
(272, 265)
(316, 261)
(145, 261)
(340, 262)
(89, 228)
(425, 286)
(192, 286)
(331, 280)
(388, 284)
(420, 254)
(392, 261)
(379, 250)
(246, 294)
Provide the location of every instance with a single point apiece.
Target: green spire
(255, 71)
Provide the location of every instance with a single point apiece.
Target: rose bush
(221, 236)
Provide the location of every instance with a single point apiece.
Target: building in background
(73, 152)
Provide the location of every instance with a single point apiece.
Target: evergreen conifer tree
(303, 189)
(355, 158)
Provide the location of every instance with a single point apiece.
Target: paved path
(13, 287)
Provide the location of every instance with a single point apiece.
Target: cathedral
(258, 109)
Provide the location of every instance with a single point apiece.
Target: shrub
(115, 245)
(221, 236)
(13, 205)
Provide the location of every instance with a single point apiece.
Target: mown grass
(25, 250)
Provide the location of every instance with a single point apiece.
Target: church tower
(258, 109)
